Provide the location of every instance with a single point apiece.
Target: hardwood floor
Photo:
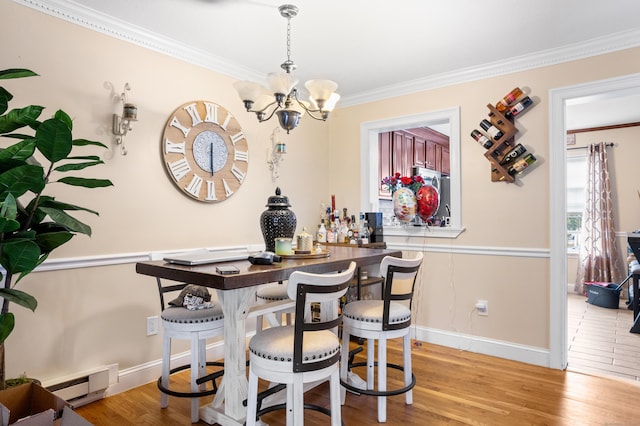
(599, 340)
(453, 387)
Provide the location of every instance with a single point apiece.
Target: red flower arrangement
(414, 183)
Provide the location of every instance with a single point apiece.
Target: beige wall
(94, 316)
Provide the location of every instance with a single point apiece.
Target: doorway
(559, 99)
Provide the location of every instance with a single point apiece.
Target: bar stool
(196, 326)
(273, 292)
(381, 320)
(304, 352)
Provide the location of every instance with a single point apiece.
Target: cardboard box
(37, 406)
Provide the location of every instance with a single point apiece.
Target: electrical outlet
(152, 325)
(482, 306)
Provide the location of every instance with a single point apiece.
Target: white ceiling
(371, 48)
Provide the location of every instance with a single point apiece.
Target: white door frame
(624, 85)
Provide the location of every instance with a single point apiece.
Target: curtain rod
(585, 147)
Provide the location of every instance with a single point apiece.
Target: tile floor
(599, 340)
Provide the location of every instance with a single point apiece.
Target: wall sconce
(276, 154)
(121, 125)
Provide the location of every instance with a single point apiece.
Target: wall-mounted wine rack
(507, 158)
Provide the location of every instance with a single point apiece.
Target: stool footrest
(209, 377)
(374, 392)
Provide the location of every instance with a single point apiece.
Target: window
(576, 182)
(369, 163)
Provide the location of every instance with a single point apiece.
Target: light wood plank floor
(453, 388)
(599, 340)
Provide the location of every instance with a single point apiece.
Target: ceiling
(371, 48)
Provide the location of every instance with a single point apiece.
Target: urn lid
(278, 200)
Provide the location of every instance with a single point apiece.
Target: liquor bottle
(521, 164)
(510, 98)
(493, 131)
(511, 156)
(519, 107)
(332, 233)
(481, 139)
(365, 233)
(342, 233)
(321, 235)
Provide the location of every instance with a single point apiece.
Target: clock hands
(211, 157)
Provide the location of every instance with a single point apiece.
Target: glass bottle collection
(516, 159)
(346, 230)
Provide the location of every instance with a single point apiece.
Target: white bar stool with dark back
(380, 320)
(196, 326)
(305, 352)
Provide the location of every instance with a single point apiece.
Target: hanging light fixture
(281, 98)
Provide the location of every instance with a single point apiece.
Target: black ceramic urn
(277, 221)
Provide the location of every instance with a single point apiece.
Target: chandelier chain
(289, 40)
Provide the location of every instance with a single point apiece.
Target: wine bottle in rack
(511, 156)
(510, 98)
(492, 130)
(519, 107)
(481, 139)
(521, 164)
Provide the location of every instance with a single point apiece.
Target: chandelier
(281, 98)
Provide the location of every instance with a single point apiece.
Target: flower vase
(428, 200)
(404, 204)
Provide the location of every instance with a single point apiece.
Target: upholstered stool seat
(304, 352)
(276, 344)
(369, 313)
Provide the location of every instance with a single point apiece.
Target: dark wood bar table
(236, 293)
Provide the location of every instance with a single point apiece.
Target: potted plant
(32, 223)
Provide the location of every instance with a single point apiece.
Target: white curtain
(599, 258)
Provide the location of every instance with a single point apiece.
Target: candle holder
(122, 124)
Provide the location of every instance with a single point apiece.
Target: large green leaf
(49, 241)
(77, 166)
(86, 183)
(16, 73)
(64, 117)
(19, 180)
(8, 225)
(7, 322)
(19, 255)
(9, 208)
(19, 297)
(53, 139)
(83, 142)
(19, 150)
(46, 201)
(18, 118)
(5, 97)
(64, 219)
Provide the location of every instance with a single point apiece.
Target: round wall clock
(205, 152)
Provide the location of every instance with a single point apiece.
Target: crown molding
(73, 12)
(594, 47)
(89, 18)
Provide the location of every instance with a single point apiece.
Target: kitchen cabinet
(401, 150)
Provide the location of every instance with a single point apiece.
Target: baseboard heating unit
(84, 387)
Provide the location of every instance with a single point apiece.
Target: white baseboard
(501, 349)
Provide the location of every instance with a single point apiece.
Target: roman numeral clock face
(205, 152)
